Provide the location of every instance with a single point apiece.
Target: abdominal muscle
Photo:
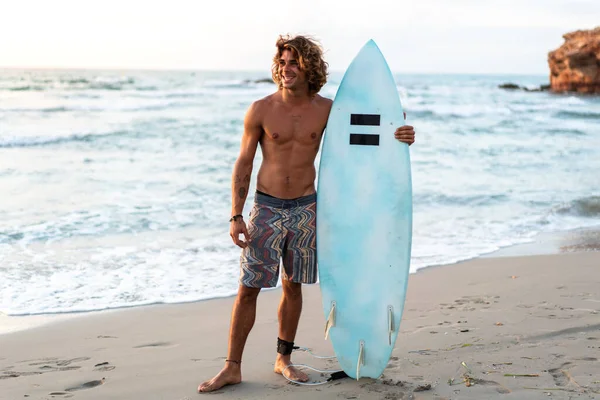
(286, 176)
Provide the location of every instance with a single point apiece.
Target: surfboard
(364, 217)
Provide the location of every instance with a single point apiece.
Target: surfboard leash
(334, 374)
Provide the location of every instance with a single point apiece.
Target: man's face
(292, 76)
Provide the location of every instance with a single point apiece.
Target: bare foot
(231, 374)
(292, 373)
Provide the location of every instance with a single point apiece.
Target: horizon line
(267, 72)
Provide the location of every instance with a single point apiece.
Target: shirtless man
(289, 125)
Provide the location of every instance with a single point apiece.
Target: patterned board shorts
(280, 230)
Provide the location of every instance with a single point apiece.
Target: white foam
(146, 270)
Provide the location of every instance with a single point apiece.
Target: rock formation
(514, 86)
(575, 66)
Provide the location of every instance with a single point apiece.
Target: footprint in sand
(155, 344)
(42, 366)
(56, 361)
(16, 374)
(86, 385)
(105, 366)
(560, 379)
(61, 394)
(9, 374)
(49, 368)
(47, 359)
(587, 359)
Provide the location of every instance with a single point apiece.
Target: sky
(420, 36)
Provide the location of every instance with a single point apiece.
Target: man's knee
(292, 289)
(247, 294)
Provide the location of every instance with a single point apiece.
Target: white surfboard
(364, 217)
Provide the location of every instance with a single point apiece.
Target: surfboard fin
(361, 359)
(391, 327)
(330, 320)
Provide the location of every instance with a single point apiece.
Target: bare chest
(303, 127)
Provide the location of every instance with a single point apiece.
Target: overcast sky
(470, 36)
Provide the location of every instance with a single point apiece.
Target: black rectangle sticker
(365, 119)
(364, 139)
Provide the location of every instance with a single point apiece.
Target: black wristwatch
(235, 217)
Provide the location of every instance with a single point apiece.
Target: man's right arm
(242, 170)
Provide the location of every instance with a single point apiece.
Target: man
(289, 125)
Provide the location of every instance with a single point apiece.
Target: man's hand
(236, 228)
(405, 134)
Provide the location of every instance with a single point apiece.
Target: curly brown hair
(310, 59)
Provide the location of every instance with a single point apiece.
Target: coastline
(574, 240)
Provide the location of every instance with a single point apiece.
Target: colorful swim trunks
(283, 230)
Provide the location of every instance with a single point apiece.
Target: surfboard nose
(371, 44)
(370, 52)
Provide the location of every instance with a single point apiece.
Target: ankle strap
(284, 347)
(233, 361)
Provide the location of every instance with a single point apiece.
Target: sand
(466, 328)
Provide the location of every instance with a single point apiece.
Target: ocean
(115, 185)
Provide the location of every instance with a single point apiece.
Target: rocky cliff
(575, 66)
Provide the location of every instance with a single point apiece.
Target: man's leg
(242, 320)
(290, 309)
(300, 266)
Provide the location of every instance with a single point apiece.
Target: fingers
(235, 235)
(246, 236)
(405, 128)
(405, 134)
(408, 139)
(238, 242)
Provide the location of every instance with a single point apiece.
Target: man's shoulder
(263, 104)
(323, 101)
